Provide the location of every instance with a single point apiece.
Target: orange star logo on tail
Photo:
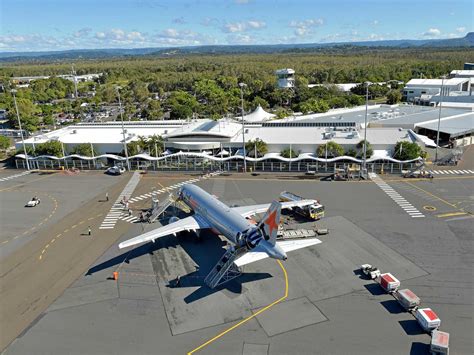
(271, 221)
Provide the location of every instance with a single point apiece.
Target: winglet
(270, 222)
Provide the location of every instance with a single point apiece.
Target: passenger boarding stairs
(157, 210)
(225, 269)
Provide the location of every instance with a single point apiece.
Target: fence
(201, 164)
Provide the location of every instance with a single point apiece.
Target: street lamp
(242, 85)
(123, 130)
(364, 161)
(439, 115)
(21, 130)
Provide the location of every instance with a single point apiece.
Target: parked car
(115, 170)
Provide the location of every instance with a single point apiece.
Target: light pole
(242, 85)
(364, 159)
(123, 130)
(439, 115)
(21, 130)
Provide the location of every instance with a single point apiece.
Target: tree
(83, 149)
(282, 113)
(360, 149)
(351, 152)
(333, 150)
(48, 120)
(53, 148)
(155, 145)
(138, 90)
(182, 105)
(313, 105)
(29, 150)
(394, 96)
(258, 145)
(258, 101)
(407, 151)
(287, 153)
(27, 111)
(133, 148)
(4, 143)
(152, 111)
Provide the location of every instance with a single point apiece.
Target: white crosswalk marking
(396, 197)
(450, 171)
(15, 176)
(117, 208)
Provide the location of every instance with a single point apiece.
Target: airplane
(253, 242)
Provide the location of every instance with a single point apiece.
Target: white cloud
(461, 30)
(432, 32)
(117, 36)
(375, 22)
(29, 42)
(256, 24)
(240, 38)
(112, 38)
(305, 27)
(234, 27)
(83, 32)
(174, 37)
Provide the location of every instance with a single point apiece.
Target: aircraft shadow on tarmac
(204, 252)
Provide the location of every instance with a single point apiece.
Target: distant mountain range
(463, 42)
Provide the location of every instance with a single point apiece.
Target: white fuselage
(222, 218)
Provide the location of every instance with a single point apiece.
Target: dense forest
(207, 85)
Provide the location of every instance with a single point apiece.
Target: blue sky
(33, 25)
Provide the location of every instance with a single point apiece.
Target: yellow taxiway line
(432, 195)
(451, 214)
(243, 321)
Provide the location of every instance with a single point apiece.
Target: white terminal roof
(106, 133)
(435, 82)
(454, 126)
(223, 128)
(467, 73)
(315, 135)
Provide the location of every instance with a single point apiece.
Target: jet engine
(173, 219)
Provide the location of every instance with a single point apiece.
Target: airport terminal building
(222, 140)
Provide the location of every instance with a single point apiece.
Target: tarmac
(314, 303)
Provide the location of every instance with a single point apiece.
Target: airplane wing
(186, 224)
(286, 245)
(247, 211)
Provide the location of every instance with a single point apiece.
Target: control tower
(286, 78)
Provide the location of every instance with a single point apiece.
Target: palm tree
(155, 144)
(256, 148)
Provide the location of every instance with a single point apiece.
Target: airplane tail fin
(270, 222)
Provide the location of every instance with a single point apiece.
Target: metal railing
(190, 164)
